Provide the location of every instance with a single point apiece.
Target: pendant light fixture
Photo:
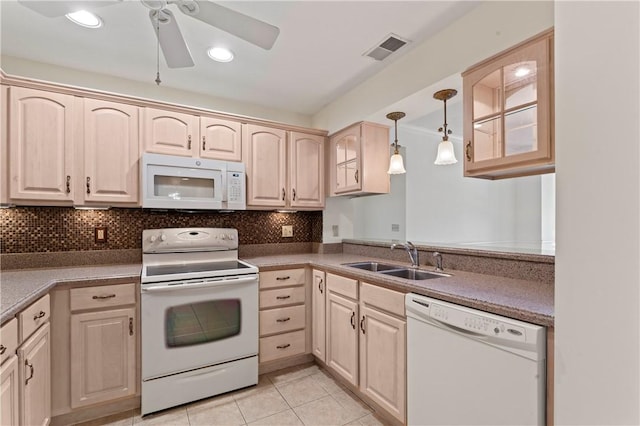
(396, 165)
(445, 148)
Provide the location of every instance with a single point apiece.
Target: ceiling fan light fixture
(84, 19)
(220, 54)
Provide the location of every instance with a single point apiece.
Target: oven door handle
(205, 284)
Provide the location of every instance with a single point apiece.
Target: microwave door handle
(206, 284)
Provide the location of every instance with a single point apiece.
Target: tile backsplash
(54, 229)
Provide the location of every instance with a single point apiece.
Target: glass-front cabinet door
(508, 112)
(346, 146)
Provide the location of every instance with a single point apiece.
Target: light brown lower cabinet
(9, 384)
(366, 340)
(34, 361)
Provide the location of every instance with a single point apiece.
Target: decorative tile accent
(54, 229)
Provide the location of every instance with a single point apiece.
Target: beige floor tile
(285, 418)
(301, 391)
(261, 404)
(263, 383)
(215, 411)
(372, 420)
(171, 417)
(327, 382)
(324, 412)
(293, 373)
(352, 404)
(120, 419)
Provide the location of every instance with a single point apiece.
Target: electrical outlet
(336, 230)
(395, 227)
(100, 234)
(287, 231)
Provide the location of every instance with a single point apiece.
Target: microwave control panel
(235, 184)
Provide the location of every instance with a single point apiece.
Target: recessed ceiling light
(84, 19)
(522, 71)
(220, 54)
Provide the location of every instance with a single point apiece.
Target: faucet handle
(438, 257)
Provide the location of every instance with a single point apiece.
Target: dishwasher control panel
(465, 319)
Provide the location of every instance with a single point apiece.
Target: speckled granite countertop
(524, 300)
(20, 288)
(520, 299)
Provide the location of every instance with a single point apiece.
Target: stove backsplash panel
(54, 229)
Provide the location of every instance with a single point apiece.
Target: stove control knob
(163, 237)
(153, 238)
(231, 237)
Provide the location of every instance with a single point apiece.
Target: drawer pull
(26, 362)
(68, 184)
(285, 346)
(104, 296)
(3, 349)
(283, 319)
(320, 286)
(467, 151)
(189, 142)
(353, 323)
(282, 297)
(88, 185)
(283, 278)
(39, 315)
(130, 326)
(362, 325)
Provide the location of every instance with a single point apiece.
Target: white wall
(148, 90)
(597, 297)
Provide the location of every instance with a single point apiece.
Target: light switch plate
(287, 230)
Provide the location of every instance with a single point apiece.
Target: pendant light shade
(396, 164)
(446, 154)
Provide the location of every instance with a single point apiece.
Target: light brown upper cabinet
(187, 135)
(283, 171)
(508, 112)
(359, 159)
(66, 150)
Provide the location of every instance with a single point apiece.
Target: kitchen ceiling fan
(174, 47)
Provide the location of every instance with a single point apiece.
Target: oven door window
(202, 322)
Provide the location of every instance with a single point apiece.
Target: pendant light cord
(158, 81)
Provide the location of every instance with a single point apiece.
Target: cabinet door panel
(342, 342)
(382, 360)
(110, 152)
(9, 385)
(346, 151)
(41, 143)
(102, 356)
(34, 359)
(266, 166)
(220, 139)
(306, 165)
(169, 132)
(318, 315)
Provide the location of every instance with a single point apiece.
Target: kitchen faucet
(412, 251)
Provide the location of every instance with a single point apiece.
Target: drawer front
(388, 300)
(33, 317)
(282, 278)
(282, 319)
(103, 296)
(281, 296)
(281, 346)
(345, 286)
(8, 339)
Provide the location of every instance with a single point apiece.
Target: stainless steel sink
(373, 266)
(413, 274)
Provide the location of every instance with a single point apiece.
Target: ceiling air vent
(386, 47)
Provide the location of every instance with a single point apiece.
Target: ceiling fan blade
(238, 24)
(174, 48)
(53, 9)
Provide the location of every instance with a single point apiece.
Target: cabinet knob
(467, 151)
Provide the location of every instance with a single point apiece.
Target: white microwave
(171, 182)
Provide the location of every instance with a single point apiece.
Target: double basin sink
(397, 271)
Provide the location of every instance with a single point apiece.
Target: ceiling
(317, 56)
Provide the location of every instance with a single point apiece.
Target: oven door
(198, 323)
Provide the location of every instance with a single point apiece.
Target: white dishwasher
(468, 367)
